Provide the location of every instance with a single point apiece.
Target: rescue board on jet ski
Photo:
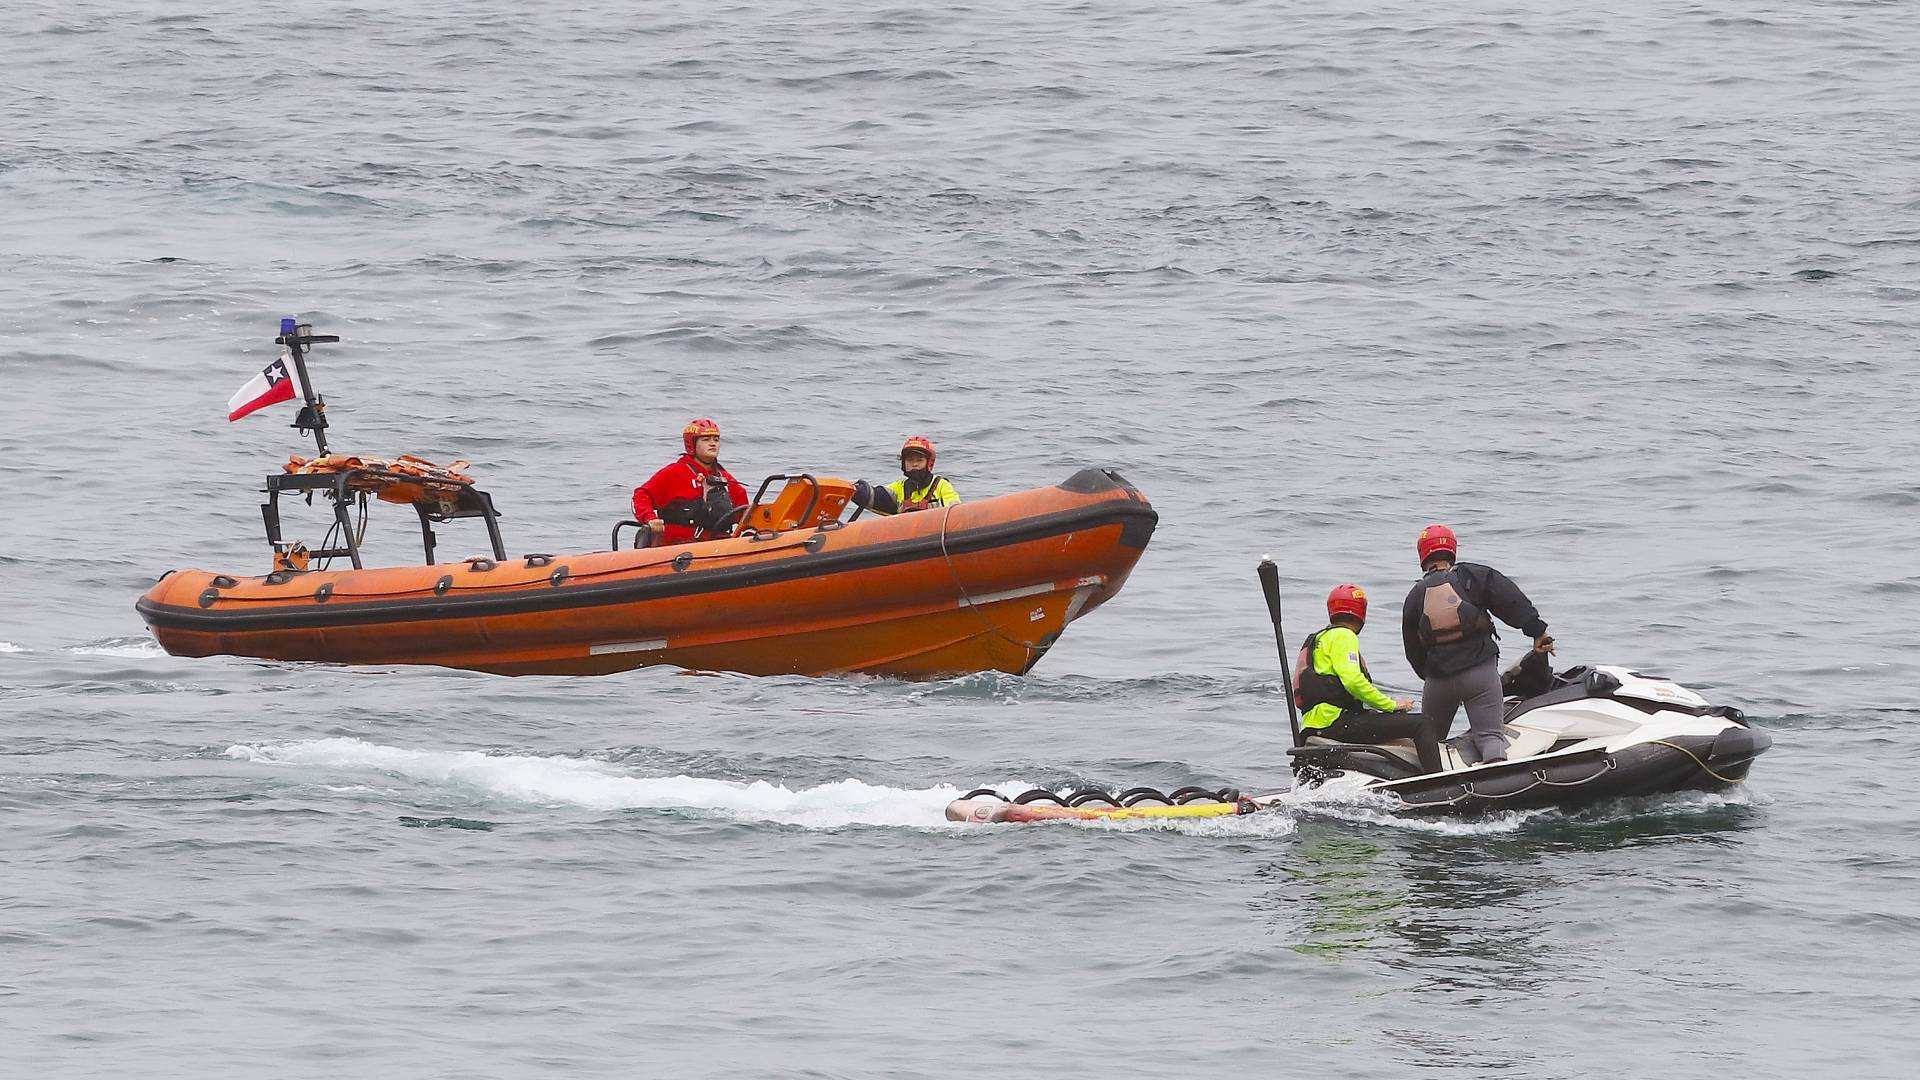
(983, 806)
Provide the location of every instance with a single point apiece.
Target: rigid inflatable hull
(985, 585)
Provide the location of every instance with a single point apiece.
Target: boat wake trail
(599, 785)
(1363, 808)
(563, 781)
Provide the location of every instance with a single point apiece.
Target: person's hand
(1405, 705)
(656, 526)
(862, 494)
(1543, 643)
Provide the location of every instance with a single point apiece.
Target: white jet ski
(1583, 736)
(1595, 733)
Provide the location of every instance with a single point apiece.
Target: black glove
(862, 494)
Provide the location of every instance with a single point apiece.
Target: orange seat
(796, 506)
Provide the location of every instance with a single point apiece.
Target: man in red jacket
(695, 498)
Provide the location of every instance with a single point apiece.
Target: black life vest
(708, 512)
(1447, 617)
(1312, 687)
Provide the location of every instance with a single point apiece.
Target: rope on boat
(1697, 761)
(1539, 780)
(1608, 766)
(488, 586)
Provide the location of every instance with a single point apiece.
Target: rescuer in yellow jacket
(1336, 694)
(918, 489)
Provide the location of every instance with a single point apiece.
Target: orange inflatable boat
(985, 585)
(795, 589)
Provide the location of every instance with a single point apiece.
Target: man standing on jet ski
(1336, 692)
(1447, 625)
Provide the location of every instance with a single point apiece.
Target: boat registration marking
(653, 645)
(1030, 590)
(1005, 594)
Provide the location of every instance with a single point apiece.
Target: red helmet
(696, 429)
(1347, 600)
(920, 443)
(1435, 539)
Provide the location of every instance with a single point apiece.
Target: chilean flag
(275, 384)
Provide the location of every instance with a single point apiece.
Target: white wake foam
(8, 646)
(130, 647)
(598, 785)
(1376, 808)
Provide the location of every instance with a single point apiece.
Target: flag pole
(296, 336)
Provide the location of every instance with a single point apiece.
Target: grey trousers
(1478, 688)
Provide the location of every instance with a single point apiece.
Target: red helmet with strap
(1347, 600)
(1435, 539)
(698, 429)
(920, 443)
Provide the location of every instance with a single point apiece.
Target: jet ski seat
(1458, 752)
(1400, 748)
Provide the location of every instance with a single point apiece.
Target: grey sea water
(1627, 296)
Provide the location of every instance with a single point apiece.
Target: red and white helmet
(1435, 539)
(696, 429)
(1347, 600)
(920, 443)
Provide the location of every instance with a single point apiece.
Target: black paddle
(1270, 583)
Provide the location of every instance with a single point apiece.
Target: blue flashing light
(286, 326)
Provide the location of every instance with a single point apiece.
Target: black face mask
(918, 478)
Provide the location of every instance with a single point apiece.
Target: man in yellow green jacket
(917, 489)
(1336, 693)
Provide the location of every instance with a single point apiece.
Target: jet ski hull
(1605, 734)
(1680, 763)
